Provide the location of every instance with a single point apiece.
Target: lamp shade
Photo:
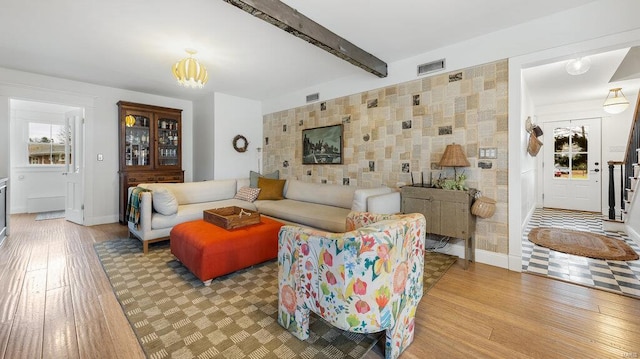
(454, 157)
(189, 72)
(617, 103)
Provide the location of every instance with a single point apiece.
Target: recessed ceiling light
(578, 66)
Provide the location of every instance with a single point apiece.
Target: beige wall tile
(475, 107)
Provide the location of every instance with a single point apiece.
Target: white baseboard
(515, 263)
(492, 258)
(93, 221)
(528, 218)
(635, 236)
(18, 209)
(456, 248)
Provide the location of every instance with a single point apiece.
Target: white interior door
(74, 171)
(572, 165)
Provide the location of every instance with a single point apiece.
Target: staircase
(624, 178)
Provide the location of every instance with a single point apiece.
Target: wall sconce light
(454, 157)
(616, 104)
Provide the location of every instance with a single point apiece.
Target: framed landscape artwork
(322, 145)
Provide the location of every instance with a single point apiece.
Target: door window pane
(570, 153)
(579, 165)
(46, 144)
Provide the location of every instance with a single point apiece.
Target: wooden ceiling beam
(290, 20)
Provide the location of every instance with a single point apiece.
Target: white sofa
(321, 206)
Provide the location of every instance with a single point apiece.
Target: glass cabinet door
(137, 139)
(168, 137)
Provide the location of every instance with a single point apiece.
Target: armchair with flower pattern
(366, 280)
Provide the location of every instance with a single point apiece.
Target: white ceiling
(550, 84)
(131, 44)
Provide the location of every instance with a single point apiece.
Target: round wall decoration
(240, 143)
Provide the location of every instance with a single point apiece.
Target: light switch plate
(488, 152)
(100, 157)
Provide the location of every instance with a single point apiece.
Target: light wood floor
(56, 302)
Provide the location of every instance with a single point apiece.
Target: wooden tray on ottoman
(231, 217)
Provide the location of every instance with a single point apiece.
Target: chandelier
(189, 72)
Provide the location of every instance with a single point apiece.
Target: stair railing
(626, 167)
(612, 189)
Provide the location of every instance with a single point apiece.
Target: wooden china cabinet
(150, 139)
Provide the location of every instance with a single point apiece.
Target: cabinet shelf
(146, 156)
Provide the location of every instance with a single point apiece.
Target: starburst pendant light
(189, 72)
(617, 103)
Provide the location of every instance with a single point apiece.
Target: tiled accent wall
(408, 126)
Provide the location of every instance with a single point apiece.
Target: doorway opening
(46, 158)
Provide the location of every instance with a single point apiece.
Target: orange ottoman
(209, 251)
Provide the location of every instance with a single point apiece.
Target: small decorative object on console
(483, 207)
(458, 184)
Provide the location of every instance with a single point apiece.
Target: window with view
(47, 144)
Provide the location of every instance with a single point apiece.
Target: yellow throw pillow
(270, 188)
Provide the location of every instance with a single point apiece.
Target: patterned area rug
(174, 315)
(582, 243)
(435, 265)
(49, 215)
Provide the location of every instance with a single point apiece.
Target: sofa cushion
(253, 177)
(314, 215)
(270, 189)
(198, 192)
(247, 194)
(360, 197)
(328, 194)
(242, 182)
(164, 202)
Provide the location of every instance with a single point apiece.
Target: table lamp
(454, 157)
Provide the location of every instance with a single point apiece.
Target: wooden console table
(448, 213)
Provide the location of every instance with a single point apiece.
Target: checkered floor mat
(617, 276)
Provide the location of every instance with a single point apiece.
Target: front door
(74, 170)
(572, 165)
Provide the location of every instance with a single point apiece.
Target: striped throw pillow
(247, 194)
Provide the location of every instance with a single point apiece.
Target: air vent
(313, 97)
(431, 67)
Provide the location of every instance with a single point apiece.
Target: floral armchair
(366, 280)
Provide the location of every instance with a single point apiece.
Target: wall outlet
(100, 157)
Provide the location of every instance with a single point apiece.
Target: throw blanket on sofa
(133, 208)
